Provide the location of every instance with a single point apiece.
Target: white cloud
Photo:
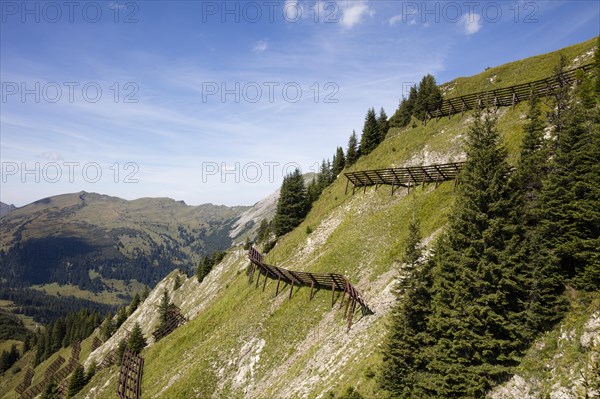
(51, 156)
(471, 23)
(260, 46)
(354, 12)
(395, 19)
(117, 6)
(292, 11)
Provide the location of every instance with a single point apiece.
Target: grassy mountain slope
(242, 342)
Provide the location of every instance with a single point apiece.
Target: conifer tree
(121, 351)
(8, 358)
(370, 134)
(571, 194)
(352, 153)
(51, 391)
(324, 177)
(545, 303)
(108, 327)
(121, 316)
(136, 342)
(460, 328)
(176, 282)
(292, 205)
(40, 348)
(351, 393)
(135, 302)
(532, 167)
(476, 298)
(382, 125)
(560, 98)
(312, 191)
(262, 230)
(413, 250)
(339, 162)
(77, 381)
(404, 359)
(91, 371)
(27, 343)
(408, 328)
(204, 267)
(164, 306)
(428, 95)
(145, 293)
(403, 114)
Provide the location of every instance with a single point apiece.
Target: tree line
(64, 332)
(46, 308)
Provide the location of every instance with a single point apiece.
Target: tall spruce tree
(108, 327)
(352, 153)
(135, 302)
(51, 391)
(382, 124)
(292, 205)
(370, 135)
(475, 296)
(77, 381)
(136, 342)
(560, 98)
(545, 303)
(325, 176)
(121, 316)
(403, 114)
(409, 318)
(404, 359)
(571, 194)
(121, 351)
(339, 162)
(428, 95)
(164, 307)
(312, 191)
(460, 330)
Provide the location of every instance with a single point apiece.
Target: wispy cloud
(471, 23)
(354, 12)
(395, 19)
(260, 46)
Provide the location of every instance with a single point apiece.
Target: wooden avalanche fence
(96, 343)
(506, 96)
(404, 177)
(329, 281)
(48, 376)
(174, 320)
(129, 385)
(26, 383)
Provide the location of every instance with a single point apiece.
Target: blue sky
(215, 101)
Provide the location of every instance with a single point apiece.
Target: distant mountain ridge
(88, 239)
(5, 208)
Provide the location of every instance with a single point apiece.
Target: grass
(562, 347)
(517, 72)
(106, 297)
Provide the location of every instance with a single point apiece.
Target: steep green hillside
(242, 342)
